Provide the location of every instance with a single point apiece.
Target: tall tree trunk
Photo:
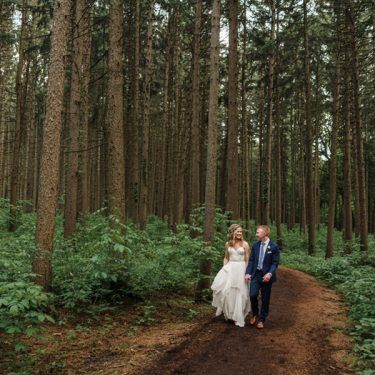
(259, 192)
(333, 161)
(310, 201)
(278, 180)
(347, 209)
(293, 170)
(278, 169)
(223, 172)
(271, 62)
(303, 214)
(163, 140)
(363, 226)
(317, 131)
(195, 124)
(181, 157)
(74, 117)
(246, 164)
(49, 167)
(32, 139)
(16, 152)
(143, 205)
(116, 167)
(209, 220)
(86, 61)
(231, 188)
(133, 145)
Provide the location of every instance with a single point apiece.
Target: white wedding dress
(231, 290)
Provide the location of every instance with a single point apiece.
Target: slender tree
(74, 117)
(143, 206)
(335, 129)
(209, 221)
(269, 137)
(85, 98)
(347, 199)
(49, 165)
(116, 168)
(195, 123)
(360, 168)
(310, 205)
(133, 154)
(232, 198)
(20, 100)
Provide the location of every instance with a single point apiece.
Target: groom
(261, 271)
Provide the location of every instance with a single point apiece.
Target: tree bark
(86, 62)
(143, 206)
(195, 124)
(334, 134)
(310, 201)
(232, 197)
(49, 167)
(16, 152)
(269, 140)
(115, 118)
(74, 117)
(363, 226)
(348, 222)
(210, 194)
(133, 145)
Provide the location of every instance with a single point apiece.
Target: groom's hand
(267, 277)
(247, 277)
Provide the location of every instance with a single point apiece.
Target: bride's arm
(247, 252)
(226, 256)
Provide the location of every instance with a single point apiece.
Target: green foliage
(22, 303)
(352, 275)
(21, 306)
(147, 315)
(106, 260)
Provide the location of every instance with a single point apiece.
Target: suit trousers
(256, 285)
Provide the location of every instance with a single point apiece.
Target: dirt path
(302, 336)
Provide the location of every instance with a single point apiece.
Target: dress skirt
(231, 292)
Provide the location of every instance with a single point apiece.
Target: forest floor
(303, 335)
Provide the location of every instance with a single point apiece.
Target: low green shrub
(21, 307)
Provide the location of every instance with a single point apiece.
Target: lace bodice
(236, 255)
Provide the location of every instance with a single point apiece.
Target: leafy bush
(21, 307)
(22, 303)
(108, 259)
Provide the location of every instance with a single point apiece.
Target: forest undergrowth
(107, 262)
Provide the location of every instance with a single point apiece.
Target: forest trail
(302, 336)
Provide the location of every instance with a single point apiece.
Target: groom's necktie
(261, 256)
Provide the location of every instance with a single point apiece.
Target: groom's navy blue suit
(270, 263)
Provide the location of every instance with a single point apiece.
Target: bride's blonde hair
(230, 235)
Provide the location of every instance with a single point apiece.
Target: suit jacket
(270, 261)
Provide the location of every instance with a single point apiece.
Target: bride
(230, 290)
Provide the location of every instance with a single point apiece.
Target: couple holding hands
(231, 289)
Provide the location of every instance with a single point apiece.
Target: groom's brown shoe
(253, 319)
(260, 325)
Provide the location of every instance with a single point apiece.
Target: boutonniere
(268, 247)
